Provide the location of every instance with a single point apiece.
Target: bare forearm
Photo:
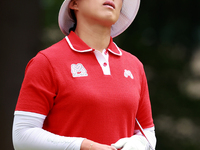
(91, 145)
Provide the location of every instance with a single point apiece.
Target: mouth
(109, 4)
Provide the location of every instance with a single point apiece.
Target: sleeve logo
(78, 70)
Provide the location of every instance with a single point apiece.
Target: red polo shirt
(66, 83)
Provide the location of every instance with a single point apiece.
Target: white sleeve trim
(28, 134)
(26, 113)
(152, 129)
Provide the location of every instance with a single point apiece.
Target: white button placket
(102, 58)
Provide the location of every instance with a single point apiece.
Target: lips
(110, 4)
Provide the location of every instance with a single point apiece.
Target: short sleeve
(144, 113)
(38, 89)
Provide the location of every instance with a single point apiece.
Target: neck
(95, 36)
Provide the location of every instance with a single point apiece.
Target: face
(104, 12)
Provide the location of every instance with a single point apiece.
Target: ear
(73, 5)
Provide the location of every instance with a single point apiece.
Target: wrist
(91, 145)
(86, 144)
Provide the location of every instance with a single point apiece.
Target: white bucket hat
(127, 15)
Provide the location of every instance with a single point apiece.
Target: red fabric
(98, 107)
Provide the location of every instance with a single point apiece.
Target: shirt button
(106, 52)
(105, 64)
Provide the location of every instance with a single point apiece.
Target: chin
(107, 20)
(110, 20)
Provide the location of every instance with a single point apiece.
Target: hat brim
(127, 15)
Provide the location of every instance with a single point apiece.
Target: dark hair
(73, 16)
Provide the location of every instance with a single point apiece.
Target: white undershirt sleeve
(150, 134)
(29, 135)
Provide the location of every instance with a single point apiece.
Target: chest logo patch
(127, 73)
(78, 70)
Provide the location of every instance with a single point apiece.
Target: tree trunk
(19, 42)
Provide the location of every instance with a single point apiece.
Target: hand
(91, 145)
(136, 142)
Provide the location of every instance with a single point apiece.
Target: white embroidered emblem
(127, 73)
(78, 70)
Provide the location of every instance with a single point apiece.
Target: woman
(84, 92)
